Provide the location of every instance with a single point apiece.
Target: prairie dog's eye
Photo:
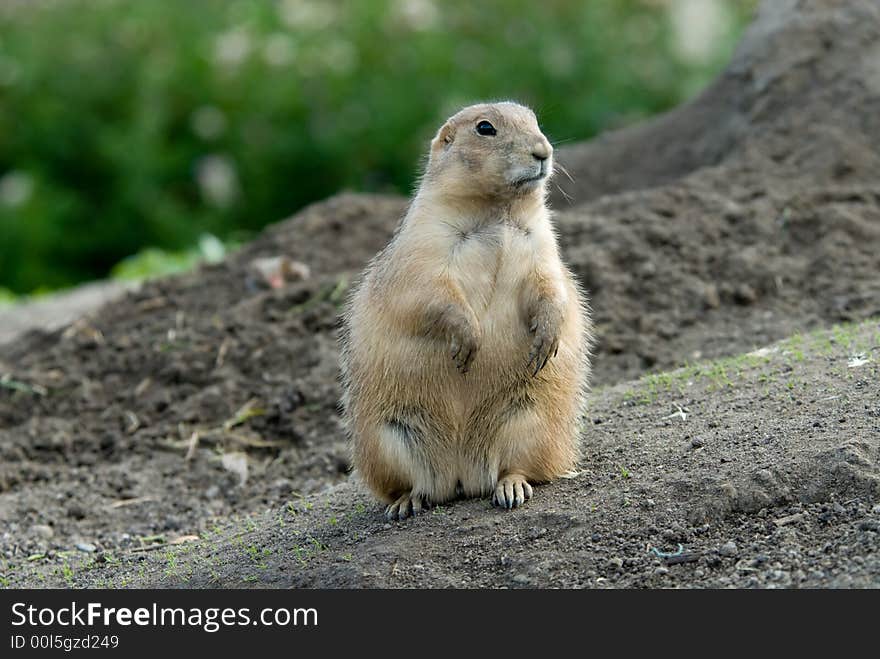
(485, 128)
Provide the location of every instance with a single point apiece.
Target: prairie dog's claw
(406, 505)
(462, 353)
(545, 325)
(542, 350)
(512, 491)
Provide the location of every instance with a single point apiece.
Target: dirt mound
(745, 216)
(104, 412)
(799, 100)
(749, 213)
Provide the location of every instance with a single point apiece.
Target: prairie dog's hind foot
(407, 505)
(512, 491)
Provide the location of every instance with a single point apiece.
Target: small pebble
(779, 575)
(696, 442)
(87, 547)
(43, 530)
(521, 579)
(282, 485)
(744, 294)
(728, 549)
(616, 562)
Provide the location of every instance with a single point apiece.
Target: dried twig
(192, 446)
(221, 352)
(122, 503)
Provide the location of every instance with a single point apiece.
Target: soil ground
(755, 471)
(57, 309)
(205, 406)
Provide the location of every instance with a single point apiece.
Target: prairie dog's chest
(491, 262)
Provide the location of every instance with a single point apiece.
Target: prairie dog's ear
(444, 137)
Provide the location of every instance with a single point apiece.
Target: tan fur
(441, 396)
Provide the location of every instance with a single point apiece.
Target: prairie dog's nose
(542, 150)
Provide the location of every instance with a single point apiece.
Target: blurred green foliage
(126, 124)
(155, 262)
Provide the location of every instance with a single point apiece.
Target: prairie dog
(465, 346)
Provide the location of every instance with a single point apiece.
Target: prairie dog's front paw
(512, 491)
(546, 326)
(458, 328)
(464, 342)
(463, 349)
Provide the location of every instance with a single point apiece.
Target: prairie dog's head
(491, 150)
